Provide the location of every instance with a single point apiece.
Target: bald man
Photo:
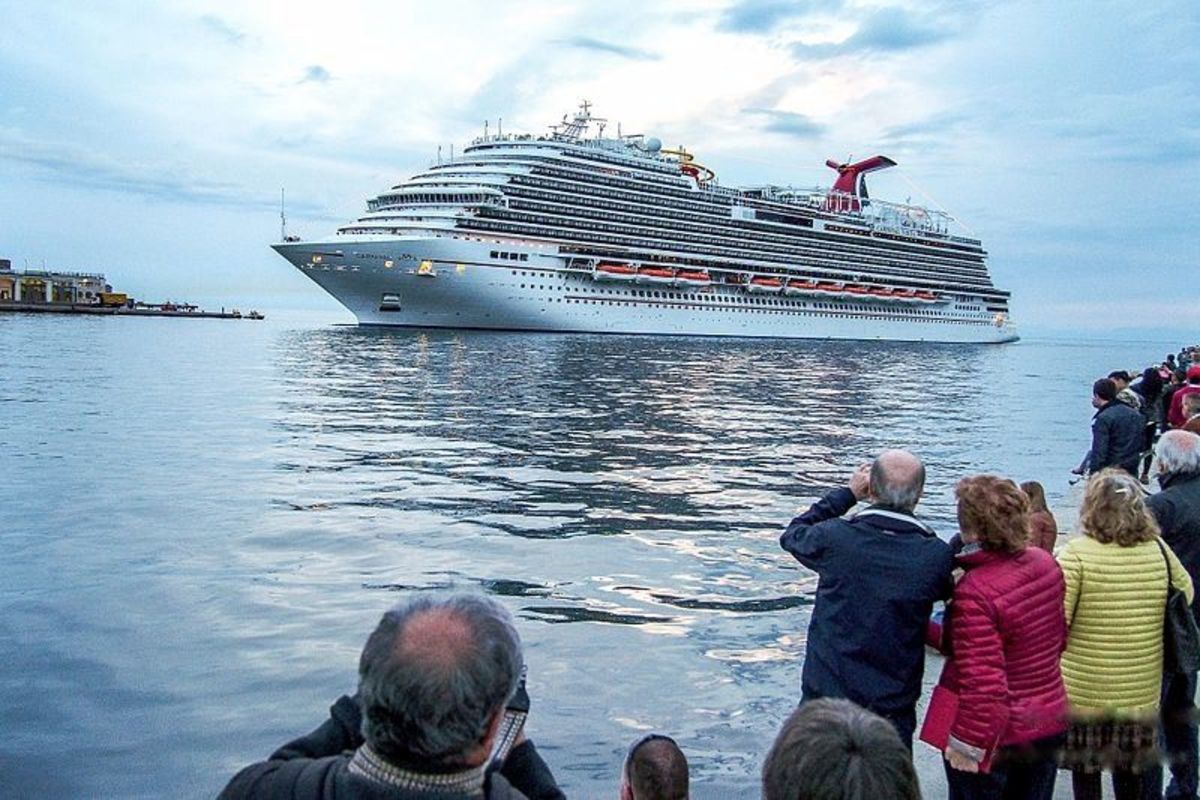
(880, 572)
(434, 680)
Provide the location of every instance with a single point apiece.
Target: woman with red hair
(1005, 632)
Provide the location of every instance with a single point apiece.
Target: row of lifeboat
(759, 284)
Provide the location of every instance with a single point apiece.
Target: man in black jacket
(1177, 509)
(881, 571)
(434, 680)
(1116, 431)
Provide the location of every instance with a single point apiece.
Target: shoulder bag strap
(1162, 549)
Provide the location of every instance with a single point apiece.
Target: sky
(150, 141)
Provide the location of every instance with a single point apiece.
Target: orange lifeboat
(611, 271)
(692, 277)
(881, 293)
(926, 297)
(905, 294)
(831, 288)
(795, 287)
(856, 291)
(762, 285)
(655, 276)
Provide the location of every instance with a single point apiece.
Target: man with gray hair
(880, 572)
(1177, 509)
(434, 680)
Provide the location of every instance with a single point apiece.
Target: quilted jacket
(1005, 634)
(1114, 604)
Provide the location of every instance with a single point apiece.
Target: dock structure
(62, 292)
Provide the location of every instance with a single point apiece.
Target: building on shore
(50, 286)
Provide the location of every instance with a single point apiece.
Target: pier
(62, 292)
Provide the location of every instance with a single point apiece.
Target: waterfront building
(50, 286)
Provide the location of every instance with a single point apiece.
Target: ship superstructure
(576, 231)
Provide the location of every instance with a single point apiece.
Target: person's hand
(1077, 471)
(860, 481)
(961, 761)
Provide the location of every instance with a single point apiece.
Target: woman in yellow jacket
(1116, 575)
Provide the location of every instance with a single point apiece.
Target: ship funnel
(851, 185)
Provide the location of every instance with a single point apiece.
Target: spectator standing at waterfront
(880, 572)
(655, 769)
(1116, 578)
(1177, 380)
(434, 679)
(834, 750)
(1177, 510)
(1175, 417)
(1126, 395)
(1191, 413)
(1004, 635)
(1149, 390)
(1116, 431)
(1043, 529)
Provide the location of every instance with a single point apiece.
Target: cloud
(763, 16)
(887, 30)
(925, 135)
(221, 28)
(76, 166)
(596, 45)
(316, 74)
(788, 123)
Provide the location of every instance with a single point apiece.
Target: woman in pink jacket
(1005, 633)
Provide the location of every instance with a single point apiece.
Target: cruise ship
(577, 231)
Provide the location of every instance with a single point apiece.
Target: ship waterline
(574, 234)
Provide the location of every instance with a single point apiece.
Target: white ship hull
(453, 282)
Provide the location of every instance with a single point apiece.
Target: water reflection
(623, 495)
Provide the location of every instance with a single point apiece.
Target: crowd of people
(1054, 653)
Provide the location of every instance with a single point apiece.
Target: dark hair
(1036, 494)
(656, 769)
(432, 677)
(995, 511)
(1119, 374)
(833, 750)
(1105, 389)
(1152, 383)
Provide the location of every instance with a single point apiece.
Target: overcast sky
(150, 141)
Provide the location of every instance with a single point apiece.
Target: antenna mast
(282, 217)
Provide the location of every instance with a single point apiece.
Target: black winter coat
(314, 767)
(880, 573)
(1177, 509)
(1117, 437)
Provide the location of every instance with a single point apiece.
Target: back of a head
(835, 750)
(1105, 389)
(432, 677)
(657, 769)
(1179, 452)
(897, 480)
(1036, 494)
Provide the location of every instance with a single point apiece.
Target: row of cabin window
(709, 215)
(510, 256)
(518, 227)
(895, 267)
(673, 192)
(755, 301)
(765, 310)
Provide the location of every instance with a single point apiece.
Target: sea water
(201, 521)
